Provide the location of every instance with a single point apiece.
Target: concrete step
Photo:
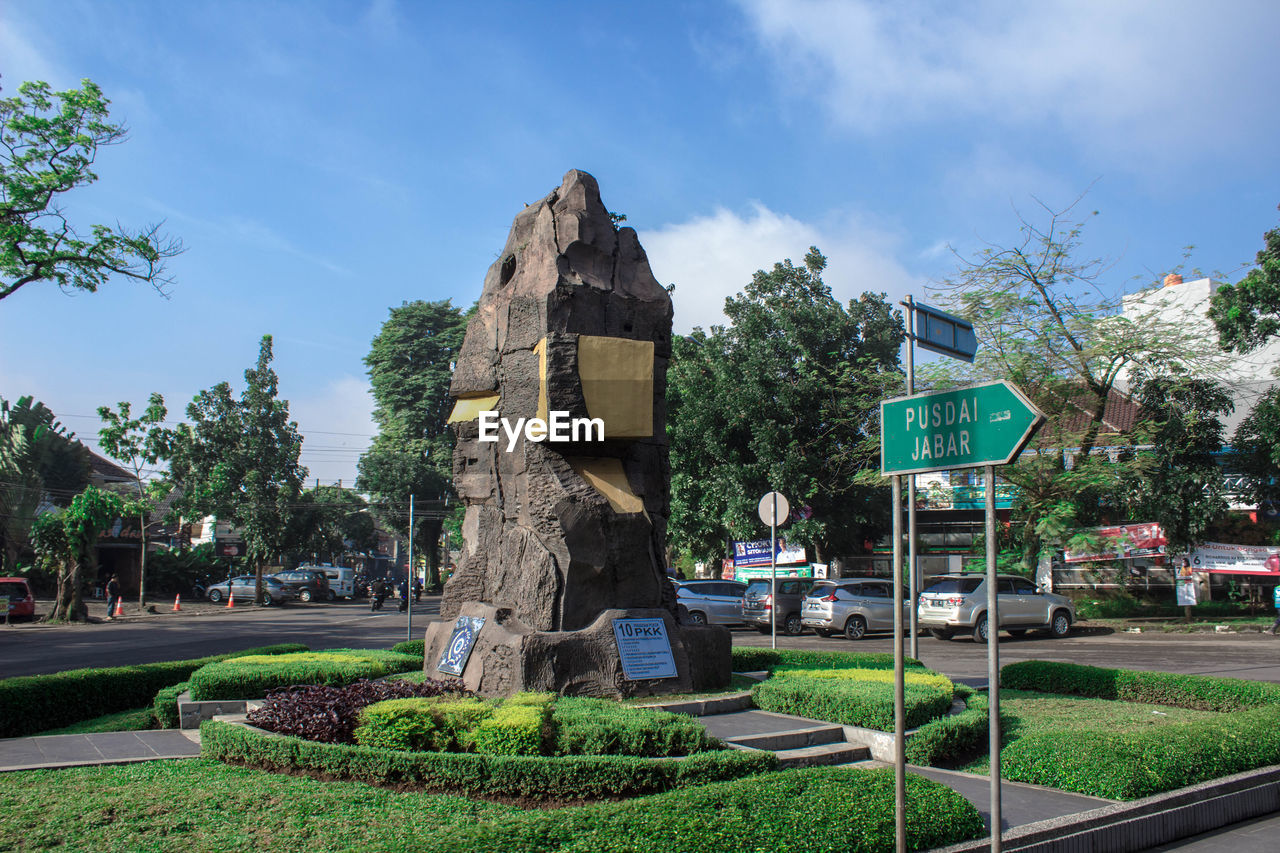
(822, 755)
(792, 739)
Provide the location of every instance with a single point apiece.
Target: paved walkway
(31, 753)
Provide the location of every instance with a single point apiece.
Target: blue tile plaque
(465, 631)
(644, 648)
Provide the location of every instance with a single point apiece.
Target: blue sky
(326, 161)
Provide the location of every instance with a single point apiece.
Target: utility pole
(408, 577)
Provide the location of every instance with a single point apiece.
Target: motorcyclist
(404, 595)
(379, 593)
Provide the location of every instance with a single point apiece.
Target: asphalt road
(34, 649)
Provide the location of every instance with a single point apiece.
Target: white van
(342, 580)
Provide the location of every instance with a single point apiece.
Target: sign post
(981, 426)
(773, 508)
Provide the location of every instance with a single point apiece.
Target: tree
(1177, 481)
(410, 367)
(330, 520)
(136, 443)
(39, 461)
(238, 460)
(1256, 447)
(1248, 313)
(47, 150)
(1046, 322)
(787, 398)
(64, 541)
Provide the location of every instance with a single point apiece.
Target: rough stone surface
(542, 545)
(509, 657)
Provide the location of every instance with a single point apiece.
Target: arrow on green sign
(964, 428)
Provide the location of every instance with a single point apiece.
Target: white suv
(956, 604)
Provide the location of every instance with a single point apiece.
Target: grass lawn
(1025, 712)
(136, 720)
(204, 805)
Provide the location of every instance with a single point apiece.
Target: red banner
(1125, 542)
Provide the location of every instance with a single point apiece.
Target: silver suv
(711, 602)
(956, 604)
(758, 604)
(852, 606)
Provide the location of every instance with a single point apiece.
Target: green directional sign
(963, 428)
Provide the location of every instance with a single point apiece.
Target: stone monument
(561, 462)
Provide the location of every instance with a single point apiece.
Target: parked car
(852, 606)
(311, 583)
(957, 604)
(243, 587)
(758, 606)
(15, 595)
(712, 602)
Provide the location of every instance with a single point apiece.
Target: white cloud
(713, 257)
(1144, 77)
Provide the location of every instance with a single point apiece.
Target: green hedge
(164, 709)
(852, 703)
(819, 810)
(599, 727)
(436, 723)
(534, 777)
(752, 659)
(1127, 766)
(950, 740)
(411, 647)
(36, 703)
(1201, 692)
(516, 728)
(254, 677)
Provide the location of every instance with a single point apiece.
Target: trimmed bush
(849, 702)
(1201, 692)
(752, 659)
(35, 703)
(322, 713)
(164, 709)
(437, 724)
(926, 678)
(411, 647)
(819, 810)
(1131, 765)
(253, 677)
(951, 740)
(535, 777)
(516, 728)
(586, 726)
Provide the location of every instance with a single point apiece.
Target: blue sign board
(456, 654)
(756, 553)
(644, 648)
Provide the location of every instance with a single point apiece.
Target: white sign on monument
(644, 648)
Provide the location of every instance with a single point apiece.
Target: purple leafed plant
(328, 714)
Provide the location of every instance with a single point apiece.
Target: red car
(15, 593)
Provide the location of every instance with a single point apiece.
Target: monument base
(509, 657)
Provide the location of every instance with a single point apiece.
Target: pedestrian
(113, 596)
(1275, 601)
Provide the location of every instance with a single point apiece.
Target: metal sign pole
(912, 571)
(899, 680)
(773, 573)
(408, 577)
(993, 661)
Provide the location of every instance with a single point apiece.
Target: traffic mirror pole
(899, 680)
(993, 661)
(773, 574)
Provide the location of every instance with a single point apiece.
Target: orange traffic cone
(231, 599)
(177, 602)
(119, 607)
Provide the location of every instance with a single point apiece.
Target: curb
(1151, 821)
